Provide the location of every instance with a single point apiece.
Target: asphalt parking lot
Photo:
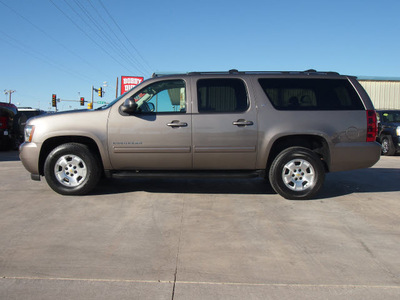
(201, 239)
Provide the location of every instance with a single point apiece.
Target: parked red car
(8, 136)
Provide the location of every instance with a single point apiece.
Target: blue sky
(66, 46)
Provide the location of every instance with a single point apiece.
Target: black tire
(387, 146)
(72, 169)
(297, 173)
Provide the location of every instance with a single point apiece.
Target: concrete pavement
(201, 239)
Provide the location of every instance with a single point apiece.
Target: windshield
(391, 117)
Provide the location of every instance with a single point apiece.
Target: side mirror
(129, 106)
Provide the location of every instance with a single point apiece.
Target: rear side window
(221, 95)
(311, 94)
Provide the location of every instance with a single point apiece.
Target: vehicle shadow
(372, 180)
(337, 184)
(184, 186)
(9, 156)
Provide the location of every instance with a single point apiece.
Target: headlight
(28, 133)
(398, 130)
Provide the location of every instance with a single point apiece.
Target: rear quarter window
(311, 94)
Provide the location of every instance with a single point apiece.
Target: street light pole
(9, 92)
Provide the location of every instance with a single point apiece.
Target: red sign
(129, 82)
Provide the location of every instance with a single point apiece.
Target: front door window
(162, 97)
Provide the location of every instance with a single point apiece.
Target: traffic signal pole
(91, 102)
(81, 100)
(54, 101)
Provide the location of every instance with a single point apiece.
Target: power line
(125, 54)
(49, 36)
(25, 48)
(103, 35)
(129, 52)
(123, 51)
(116, 24)
(84, 32)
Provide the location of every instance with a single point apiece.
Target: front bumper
(29, 154)
(396, 143)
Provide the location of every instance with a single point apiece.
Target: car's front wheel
(297, 173)
(72, 169)
(387, 146)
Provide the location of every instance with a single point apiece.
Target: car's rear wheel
(297, 173)
(387, 146)
(71, 169)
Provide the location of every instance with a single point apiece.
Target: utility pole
(116, 90)
(9, 92)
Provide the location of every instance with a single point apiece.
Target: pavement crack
(178, 250)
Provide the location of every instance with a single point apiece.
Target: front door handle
(242, 122)
(177, 123)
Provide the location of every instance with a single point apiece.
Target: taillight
(372, 126)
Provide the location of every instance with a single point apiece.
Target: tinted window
(391, 116)
(31, 114)
(221, 95)
(311, 94)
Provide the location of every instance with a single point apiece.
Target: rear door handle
(177, 123)
(242, 122)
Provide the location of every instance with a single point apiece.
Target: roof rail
(154, 75)
(236, 72)
(315, 71)
(232, 71)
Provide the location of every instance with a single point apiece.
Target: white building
(384, 92)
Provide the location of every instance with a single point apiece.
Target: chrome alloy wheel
(70, 170)
(298, 175)
(385, 146)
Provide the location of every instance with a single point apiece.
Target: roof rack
(232, 71)
(309, 71)
(235, 71)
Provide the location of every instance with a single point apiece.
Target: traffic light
(54, 100)
(100, 92)
(90, 105)
(82, 101)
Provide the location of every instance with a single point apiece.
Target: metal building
(384, 92)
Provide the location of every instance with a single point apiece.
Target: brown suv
(291, 127)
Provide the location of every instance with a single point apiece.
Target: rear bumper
(350, 156)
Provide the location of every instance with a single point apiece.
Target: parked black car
(23, 115)
(389, 131)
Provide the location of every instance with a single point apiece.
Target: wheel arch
(54, 142)
(313, 142)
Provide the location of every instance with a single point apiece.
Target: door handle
(242, 122)
(176, 123)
